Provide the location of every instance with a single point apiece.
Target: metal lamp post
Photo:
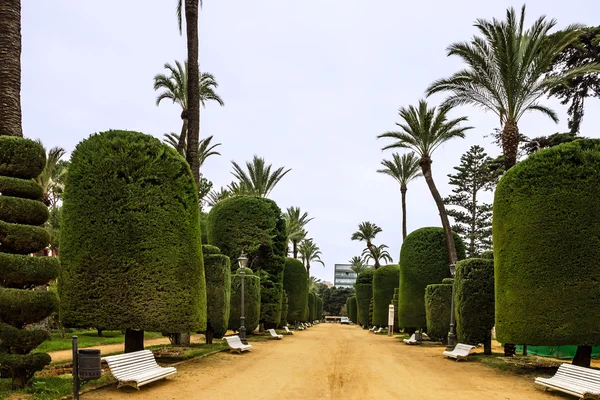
(242, 262)
(452, 333)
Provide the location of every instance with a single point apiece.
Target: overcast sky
(307, 85)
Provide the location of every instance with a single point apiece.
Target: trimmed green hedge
(20, 213)
(437, 307)
(295, 283)
(311, 307)
(284, 310)
(319, 312)
(395, 303)
(218, 291)
(546, 230)
(474, 301)
(203, 228)
(385, 280)
(448, 281)
(21, 158)
(130, 238)
(352, 314)
(423, 261)
(24, 188)
(254, 225)
(251, 301)
(364, 294)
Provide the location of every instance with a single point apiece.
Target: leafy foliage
(334, 299)
(258, 181)
(385, 280)
(364, 294)
(217, 270)
(295, 223)
(52, 178)
(358, 264)
(547, 218)
(378, 254)
(366, 233)
(352, 309)
(137, 197)
(437, 308)
(296, 286)
(252, 301)
(310, 252)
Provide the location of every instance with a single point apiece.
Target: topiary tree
(353, 310)
(218, 292)
(385, 280)
(295, 284)
(21, 214)
(319, 313)
(284, 310)
(130, 239)
(437, 308)
(423, 261)
(251, 301)
(395, 303)
(474, 302)
(546, 225)
(364, 294)
(311, 307)
(254, 225)
(348, 307)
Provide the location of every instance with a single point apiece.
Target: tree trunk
(134, 340)
(426, 167)
(487, 346)
(295, 248)
(370, 247)
(473, 222)
(193, 137)
(583, 357)
(403, 191)
(10, 68)
(209, 334)
(99, 332)
(181, 148)
(510, 143)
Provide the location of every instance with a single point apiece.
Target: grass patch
(87, 339)
(528, 366)
(45, 388)
(176, 353)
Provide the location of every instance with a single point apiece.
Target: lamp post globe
(242, 262)
(452, 332)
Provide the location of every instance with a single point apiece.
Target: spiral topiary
(22, 301)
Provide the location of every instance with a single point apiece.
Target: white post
(391, 320)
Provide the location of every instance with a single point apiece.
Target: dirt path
(333, 362)
(67, 355)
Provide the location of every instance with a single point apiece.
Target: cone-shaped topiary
(130, 239)
(21, 211)
(437, 307)
(474, 302)
(385, 280)
(218, 292)
(546, 226)
(295, 283)
(254, 225)
(251, 301)
(423, 261)
(364, 294)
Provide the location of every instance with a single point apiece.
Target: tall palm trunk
(191, 23)
(295, 248)
(183, 134)
(370, 247)
(10, 68)
(403, 192)
(425, 164)
(510, 143)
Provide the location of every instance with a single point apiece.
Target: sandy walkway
(334, 362)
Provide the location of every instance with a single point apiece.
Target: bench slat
(137, 369)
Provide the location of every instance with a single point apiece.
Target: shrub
(437, 307)
(130, 238)
(348, 307)
(218, 292)
(20, 213)
(352, 314)
(295, 283)
(385, 280)
(364, 294)
(311, 307)
(395, 303)
(546, 225)
(423, 261)
(474, 301)
(319, 312)
(254, 225)
(284, 310)
(251, 301)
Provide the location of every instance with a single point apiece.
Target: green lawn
(87, 339)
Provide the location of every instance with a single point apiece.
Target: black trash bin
(89, 365)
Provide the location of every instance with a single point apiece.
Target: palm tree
(366, 233)
(175, 88)
(358, 265)
(423, 130)
(378, 253)
(216, 196)
(507, 72)
(403, 169)
(295, 221)
(310, 252)
(313, 284)
(205, 149)
(259, 181)
(52, 177)
(10, 68)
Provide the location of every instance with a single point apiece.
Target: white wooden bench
(461, 351)
(274, 334)
(411, 340)
(235, 344)
(287, 330)
(378, 330)
(372, 329)
(572, 379)
(137, 368)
